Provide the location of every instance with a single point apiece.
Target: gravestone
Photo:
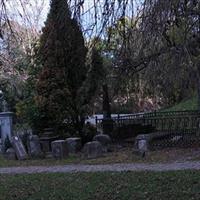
(47, 137)
(143, 142)
(59, 149)
(73, 144)
(104, 139)
(93, 150)
(34, 147)
(19, 148)
(143, 145)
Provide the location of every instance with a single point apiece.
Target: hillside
(189, 104)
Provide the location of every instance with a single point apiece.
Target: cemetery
(123, 143)
(99, 99)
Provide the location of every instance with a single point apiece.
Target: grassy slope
(102, 186)
(190, 104)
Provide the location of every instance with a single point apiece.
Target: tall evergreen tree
(62, 54)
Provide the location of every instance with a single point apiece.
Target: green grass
(189, 104)
(102, 186)
(123, 156)
(37, 162)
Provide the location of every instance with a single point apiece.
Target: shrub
(7, 144)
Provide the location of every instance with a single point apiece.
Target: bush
(7, 144)
(89, 131)
(27, 113)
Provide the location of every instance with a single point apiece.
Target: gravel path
(102, 168)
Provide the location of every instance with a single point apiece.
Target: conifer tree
(62, 54)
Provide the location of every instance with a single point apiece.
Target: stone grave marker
(59, 149)
(93, 149)
(142, 145)
(34, 147)
(19, 148)
(74, 145)
(104, 139)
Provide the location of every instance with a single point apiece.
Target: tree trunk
(106, 103)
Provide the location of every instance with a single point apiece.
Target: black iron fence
(173, 121)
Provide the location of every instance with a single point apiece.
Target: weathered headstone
(59, 149)
(93, 150)
(19, 148)
(34, 147)
(74, 144)
(104, 139)
(142, 142)
(143, 145)
(47, 137)
(10, 154)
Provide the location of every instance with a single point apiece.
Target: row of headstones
(60, 148)
(94, 149)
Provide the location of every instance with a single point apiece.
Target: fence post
(96, 120)
(118, 116)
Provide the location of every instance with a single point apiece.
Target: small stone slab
(59, 149)
(19, 148)
(142, 142)
(34, 147)
(93, 150)
(74, 145)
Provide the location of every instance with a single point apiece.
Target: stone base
(139, 153)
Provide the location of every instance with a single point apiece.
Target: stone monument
(74, 145)
(92, 149)
(19, 148)
(59, 149)
(105, 141)
(6, 121)
(34, 147)
(47, 137)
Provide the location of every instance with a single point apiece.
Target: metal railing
(183, 121)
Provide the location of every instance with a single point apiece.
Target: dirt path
(102, 168)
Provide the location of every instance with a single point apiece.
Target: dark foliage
(67, 83)
(62, 54)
